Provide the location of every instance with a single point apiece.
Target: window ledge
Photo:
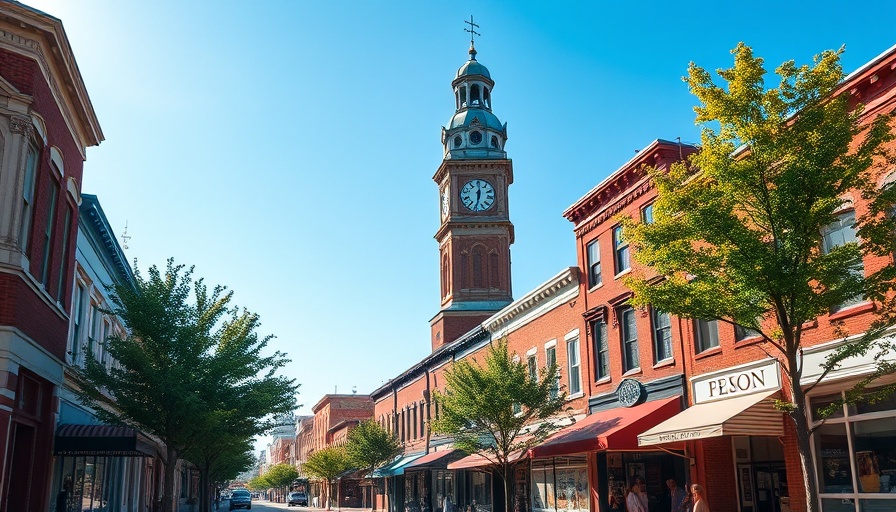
(709, 352)
(596, 287)
(604, 380)
(633, 371)
(669, 361)
(855, 309)
(624, 272)
(580, 394)
(749, 342)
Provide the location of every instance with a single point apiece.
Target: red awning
(613, 429)
(478, 461)
(433, 460)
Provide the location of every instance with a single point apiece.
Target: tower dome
(474, 132)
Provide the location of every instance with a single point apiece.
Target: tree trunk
(804, 445)
(204, 495)
(168, 486)
(508, 487)
(327, 493)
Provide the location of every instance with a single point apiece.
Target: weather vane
(472, 29)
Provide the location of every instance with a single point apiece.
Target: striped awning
(102, 440)
(747, 415)
(397, 467)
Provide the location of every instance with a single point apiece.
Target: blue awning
(397, 467)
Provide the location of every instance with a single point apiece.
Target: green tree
(738, 231)
(185, 348)
(258, 483)
(327, 465)
(497, 409)
(280, 476)
(370, 446)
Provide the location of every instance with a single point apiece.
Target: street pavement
(266, 506)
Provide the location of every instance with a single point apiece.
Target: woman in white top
(636, 501)
(699, 497)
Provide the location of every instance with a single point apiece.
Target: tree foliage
(370, 446)
(281, 475)
(327, 464)
(496, 409)
(189, 370)
(738, 229)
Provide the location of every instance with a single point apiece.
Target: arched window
(478, 270)
(474, 95)
(463, 97)
(444, 275)
(493, 270)
(457, 99)
(464, 270)
(487, 98)
(495, 142)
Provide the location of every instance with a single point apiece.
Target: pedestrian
(699, 498)
(677, 496)
(636, 501)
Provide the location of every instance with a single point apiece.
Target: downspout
(588, 334)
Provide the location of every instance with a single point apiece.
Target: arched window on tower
(464, 270)
(474, 95)
(444, 275)
(478, 270)
(493, 270)
(495, 142)
(463, 96)
(486, 97)
(457, 99)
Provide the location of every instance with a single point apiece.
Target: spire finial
(473, 33)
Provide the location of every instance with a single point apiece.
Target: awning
(478, 461)
(613, 429)
(397, 467)
(102, 440)
(747, 415)
(435, 460)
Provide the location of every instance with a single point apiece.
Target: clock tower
(475, 231)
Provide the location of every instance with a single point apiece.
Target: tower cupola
(474, 132)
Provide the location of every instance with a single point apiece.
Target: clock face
(477, 195)
(446, 203)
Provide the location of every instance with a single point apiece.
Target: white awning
(746, 415)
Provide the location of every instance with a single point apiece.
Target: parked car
(299, 499)
(240, 499)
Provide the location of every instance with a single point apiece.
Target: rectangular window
(707, 334)
(551, 360)
(742, 333)
(48, 235)
(629, 339)
(840, 232)
(647, 214)
(593, 250)
(601, 349)
(620, 248)
(28, 197)
(662, 335)
(572, 355)
(532, 365)
(63, 263)
(77, 321)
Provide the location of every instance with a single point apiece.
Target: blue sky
(287, 148)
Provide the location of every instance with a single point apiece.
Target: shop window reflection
(832, 452)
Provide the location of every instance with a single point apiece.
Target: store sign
(744, 380)
(629, 393)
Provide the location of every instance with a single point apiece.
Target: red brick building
(46, 124)
(656, 397)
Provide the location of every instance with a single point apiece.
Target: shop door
(21, 463)
(771, 485)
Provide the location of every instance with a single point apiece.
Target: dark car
(240, 499)
(299, 499)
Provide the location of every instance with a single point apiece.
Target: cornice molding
(564, 283)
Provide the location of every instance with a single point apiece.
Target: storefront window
(855, 450)
(480, 492)
(560, 484)
(832, 451)
(443, 491)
